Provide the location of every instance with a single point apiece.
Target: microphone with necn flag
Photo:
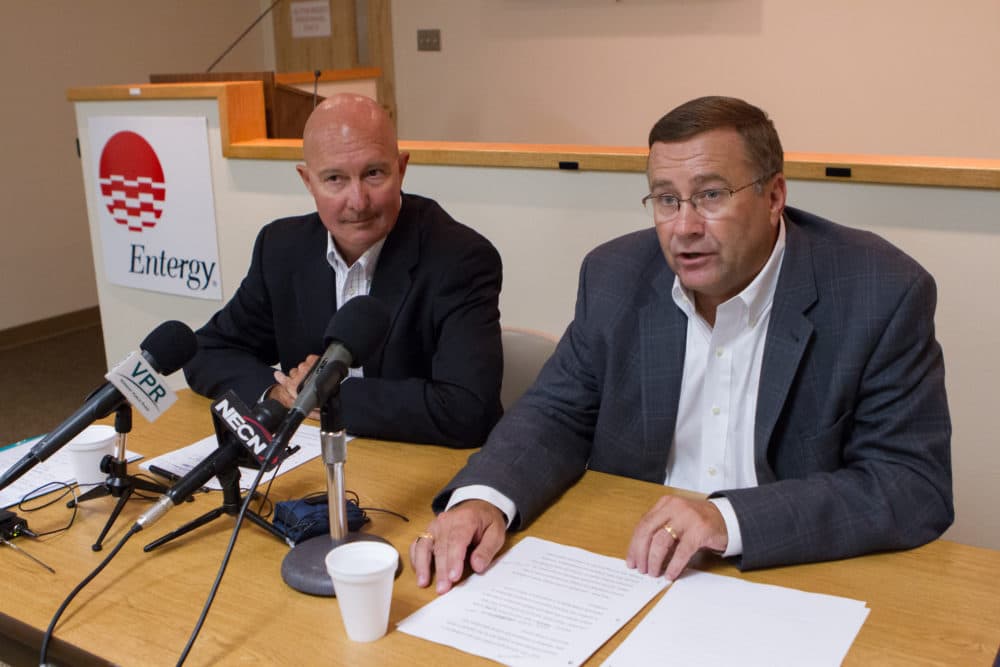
(242, 435)
(138, 380)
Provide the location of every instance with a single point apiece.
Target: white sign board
(310, 19)
(155, 205)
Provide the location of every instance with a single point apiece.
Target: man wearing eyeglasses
(782, 364)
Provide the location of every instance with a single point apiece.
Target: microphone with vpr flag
(137, 381)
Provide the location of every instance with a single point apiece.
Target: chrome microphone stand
(304, 568)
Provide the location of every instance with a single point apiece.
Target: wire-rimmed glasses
(711, 203)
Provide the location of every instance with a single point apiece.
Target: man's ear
(304, 175)
(404, 159)
(777, 194)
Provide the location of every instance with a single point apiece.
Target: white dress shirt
(353, 280)
(713, 446)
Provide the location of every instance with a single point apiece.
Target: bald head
(354, 171)
(346, 119)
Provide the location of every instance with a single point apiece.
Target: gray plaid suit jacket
(852, 433)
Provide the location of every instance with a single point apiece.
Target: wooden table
(939, 604)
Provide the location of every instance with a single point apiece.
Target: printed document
(542, 603)
(181, 461)
(709, 619)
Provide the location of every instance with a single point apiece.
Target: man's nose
(689, 221)
(357, 195)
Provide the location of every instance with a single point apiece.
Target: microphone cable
(79, 587)
(118, 547)
(270, 454)
(47, 638)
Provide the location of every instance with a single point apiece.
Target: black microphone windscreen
(270, 413)
(361, 325)
(170, 346)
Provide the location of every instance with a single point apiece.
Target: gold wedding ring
(671, 532)
(424, 536)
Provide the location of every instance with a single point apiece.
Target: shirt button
(719, 352)
(716, 410)
(712, 471)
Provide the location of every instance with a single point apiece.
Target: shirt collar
(368, 259)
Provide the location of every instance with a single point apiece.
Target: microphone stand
(119, 484)
(232, 500)
(304, 567)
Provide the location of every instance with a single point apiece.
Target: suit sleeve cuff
(734, 547)
(487, 493)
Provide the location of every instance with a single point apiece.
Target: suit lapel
(662, 340)
(788, 334)
(315, 284)
(394, 273)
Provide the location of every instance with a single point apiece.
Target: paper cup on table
(362, 574)
(86, 451)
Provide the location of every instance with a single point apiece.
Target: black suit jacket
(852, 432)
(436, 379)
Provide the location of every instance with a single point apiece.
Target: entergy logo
(131, 180)
(150, 190)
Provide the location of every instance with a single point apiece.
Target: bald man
(437, 378)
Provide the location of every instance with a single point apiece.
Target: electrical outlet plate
(429, 39)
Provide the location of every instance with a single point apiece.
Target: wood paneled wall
(341, 49)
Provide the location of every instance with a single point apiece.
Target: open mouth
(359, 221)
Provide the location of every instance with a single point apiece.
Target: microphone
(167, 348)
(355, 332)
(233, 451)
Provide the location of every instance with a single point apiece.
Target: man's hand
(672, 532)
(445, 544)
(287, 388)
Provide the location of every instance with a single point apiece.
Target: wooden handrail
(241, 113)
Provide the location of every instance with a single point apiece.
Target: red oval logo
(131, 180)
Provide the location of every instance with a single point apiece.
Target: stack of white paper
(542, 603)
(708, 619)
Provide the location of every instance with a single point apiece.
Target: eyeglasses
(709, 203)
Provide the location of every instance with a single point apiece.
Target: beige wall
(895, 76)
(47, 46)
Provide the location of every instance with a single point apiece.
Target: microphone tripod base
(120, 485)
(304, 567)
(231, 509)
